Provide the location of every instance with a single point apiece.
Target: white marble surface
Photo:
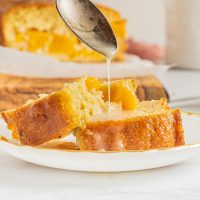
(20, 180)
(181, 84)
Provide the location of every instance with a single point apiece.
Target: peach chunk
(122, 91)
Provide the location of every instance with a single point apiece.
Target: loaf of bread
(36, 26)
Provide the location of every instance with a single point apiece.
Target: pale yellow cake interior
(40, 29)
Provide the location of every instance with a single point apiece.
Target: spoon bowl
(89, 24)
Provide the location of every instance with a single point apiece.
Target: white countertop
(21, 180)
(183, 87)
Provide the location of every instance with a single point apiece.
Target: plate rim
(177, 148)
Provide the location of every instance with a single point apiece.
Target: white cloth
(21, 180)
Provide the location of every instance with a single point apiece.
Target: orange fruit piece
(92, 83)
(122, 91)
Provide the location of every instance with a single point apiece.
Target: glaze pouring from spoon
(91, 27)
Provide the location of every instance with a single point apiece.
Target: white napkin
(20, 63)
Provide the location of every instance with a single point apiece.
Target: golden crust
(54, 116)
(80, 108)
(162, 130)
(39, 122)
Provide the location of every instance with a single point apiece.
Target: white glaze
(108, 61)
(109, 56)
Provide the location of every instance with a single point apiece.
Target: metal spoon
(89, 24)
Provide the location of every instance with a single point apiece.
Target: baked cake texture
(36, 26)
(54, 116)
(152, 125)
(81, 108)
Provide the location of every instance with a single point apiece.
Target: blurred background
(146, 19)
(159, 45)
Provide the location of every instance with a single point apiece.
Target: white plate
(113, 161)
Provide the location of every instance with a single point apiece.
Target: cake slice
(36, 26)
(58, 114)
(152, 125)
(81, 108)
(54, 116)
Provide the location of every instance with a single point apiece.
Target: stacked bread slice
(152, 125)
(81, 108)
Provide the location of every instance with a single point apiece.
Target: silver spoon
(89, 24)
